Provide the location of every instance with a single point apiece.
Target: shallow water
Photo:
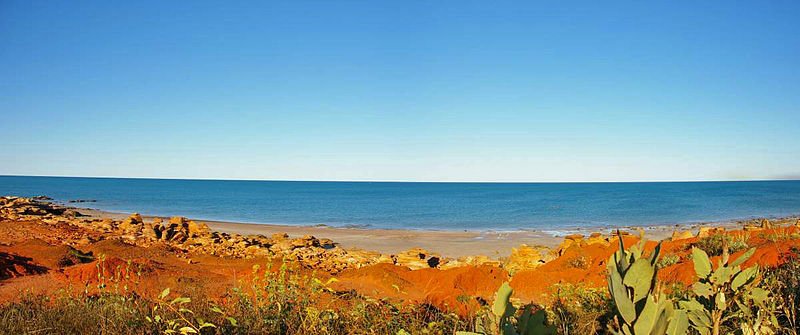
(441, 206)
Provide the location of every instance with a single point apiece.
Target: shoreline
(494, 244)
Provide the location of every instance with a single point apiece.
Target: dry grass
(272, 303)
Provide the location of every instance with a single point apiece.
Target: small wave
(357, 226)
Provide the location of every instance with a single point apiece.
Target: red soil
(33, 260)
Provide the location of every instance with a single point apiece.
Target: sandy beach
(494, 244)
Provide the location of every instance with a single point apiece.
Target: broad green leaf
(621, 256)
(679, 324)
(722, 275)
(648, 316)
(640, 277)
(164, 293)
(654, 255)
(759, 295)
(207, 325)
(720, 301)
(700, 318)
(501, 301)
(744, 277)
(624, 305)
(702, 265)
(702, 289)
(180, 300)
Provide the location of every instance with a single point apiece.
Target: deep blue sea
(437, 206)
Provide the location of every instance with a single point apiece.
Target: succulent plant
(640, 306)
(503, 319)
(727, 292)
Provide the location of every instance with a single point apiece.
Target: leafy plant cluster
(713, 245)
(725, 298)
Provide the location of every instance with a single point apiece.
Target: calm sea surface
(441, 206)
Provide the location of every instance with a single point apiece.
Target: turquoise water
(439, 206)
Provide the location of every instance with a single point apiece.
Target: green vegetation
(579, 262)
(575, 309)
(668, 260)
(714, 244)
(779, 236)
(641, 307)
(784, 284)
(725, 299)
(727, 293)
(503, 318)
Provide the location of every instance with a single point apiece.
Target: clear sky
(403, 90)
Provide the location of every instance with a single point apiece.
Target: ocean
(427, 206)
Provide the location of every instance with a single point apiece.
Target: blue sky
(429, 90)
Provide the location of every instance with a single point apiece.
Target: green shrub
(727, 298)
(668, 260)
(575, 309)
(784, 284)
(505, 319)
(579, 262)
(640, 305)
(714, 244)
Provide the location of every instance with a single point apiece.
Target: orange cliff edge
(47, 248)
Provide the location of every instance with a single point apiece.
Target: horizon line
(414, 181)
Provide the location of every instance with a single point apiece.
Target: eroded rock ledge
(187, 237)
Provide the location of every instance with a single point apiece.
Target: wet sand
(494, 244)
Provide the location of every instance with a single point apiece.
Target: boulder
(179, 236)
(570, 241)
(752, 227)
(326, 243)
(681, 235)
(197, 229)
(417, 258)
(149, 231)
(131, 224)
(105, 224)
(471, 261)
(305, 241)
(178, 220)
(708, 231)
(597, 238)
(256, 251)
(282, 246)
(523, 257)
